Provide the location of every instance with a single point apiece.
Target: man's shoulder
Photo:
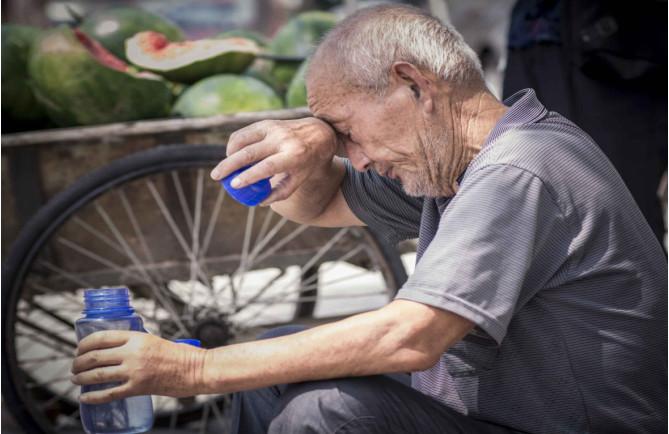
(550, 149)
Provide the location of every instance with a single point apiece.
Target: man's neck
(479, 114)
(468, 115)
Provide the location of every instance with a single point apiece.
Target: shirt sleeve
(382, 204)
(497, 244)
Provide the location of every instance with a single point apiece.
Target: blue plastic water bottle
(109, 309)
(251, 195)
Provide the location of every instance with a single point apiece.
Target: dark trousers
(383, 404)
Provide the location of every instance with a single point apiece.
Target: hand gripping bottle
(109, 309)
(251, 195)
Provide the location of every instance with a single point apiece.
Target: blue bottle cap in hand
(251, 195)
(193, 342)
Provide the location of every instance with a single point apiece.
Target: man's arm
(319, 201)
(403, 336)
(299, 157)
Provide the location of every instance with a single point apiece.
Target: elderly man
(538, 303)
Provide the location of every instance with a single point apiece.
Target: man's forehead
(329, 102)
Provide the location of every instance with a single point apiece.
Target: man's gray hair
(364, 46)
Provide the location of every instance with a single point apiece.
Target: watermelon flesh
(189, 61)
(100, 53)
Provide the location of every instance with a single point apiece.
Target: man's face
(387, 134)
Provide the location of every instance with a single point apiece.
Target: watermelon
(296, 96)
(189, 61)
(112, 27)
(300, 35)
(226, 94)
(298, 38)
(256, 37)
(79, 82)
(261, 69)
(18, 100)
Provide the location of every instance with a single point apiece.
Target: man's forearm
(381, 341)
(314, 195)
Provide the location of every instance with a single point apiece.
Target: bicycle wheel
(198, 265)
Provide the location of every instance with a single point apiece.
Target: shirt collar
(524, 108)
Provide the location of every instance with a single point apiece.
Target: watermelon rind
(76, 89)
(226, 94)
(111, 27)
(194, 60)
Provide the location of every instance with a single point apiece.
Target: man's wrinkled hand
(287, 151)
(144, 365)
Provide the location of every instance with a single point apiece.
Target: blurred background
(601, 64)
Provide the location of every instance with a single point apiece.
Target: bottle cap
(193, 342)
(251, 195)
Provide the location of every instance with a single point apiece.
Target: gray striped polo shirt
(545, 250)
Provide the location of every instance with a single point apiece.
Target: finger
(245, 157)
(95, 359)
(103, 339)
(107, 395)
(283, 189)
(106, 374)
(270, 166)
(245, 136)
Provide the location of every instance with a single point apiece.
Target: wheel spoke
(68, 343)
(195, 230)
(285, 240)
(67, 275)
(261, 291)
(37, 338)
(220, 196)
(43, 359)
(285, 291)
(97, 234)
(138, 232)
(182, 200)
(55, 398)
(250, 217)
(205, 417)
(217, 413)
(175, 230)
(264, 227)
(270, 236)
(317, 257)
(330, 265)
(60, 319)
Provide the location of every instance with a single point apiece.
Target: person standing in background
(604, 66)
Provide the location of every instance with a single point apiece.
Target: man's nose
(359, 160)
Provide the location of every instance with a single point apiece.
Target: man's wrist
(199, 381)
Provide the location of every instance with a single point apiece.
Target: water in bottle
(109, 309)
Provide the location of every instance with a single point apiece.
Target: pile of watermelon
(126, 64)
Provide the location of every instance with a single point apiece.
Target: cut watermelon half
(190, 61)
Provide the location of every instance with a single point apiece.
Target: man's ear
(420, 85)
